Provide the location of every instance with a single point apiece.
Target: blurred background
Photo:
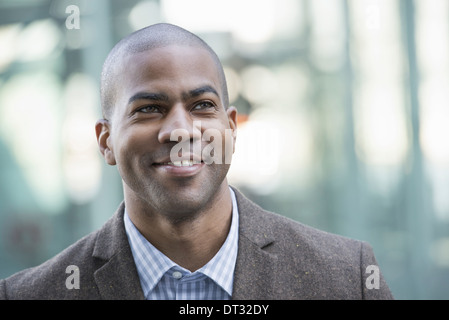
(344, 120)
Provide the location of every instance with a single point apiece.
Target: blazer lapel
(117, 278)
(255, 271)
(254, 276)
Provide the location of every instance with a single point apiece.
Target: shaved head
(146, 39)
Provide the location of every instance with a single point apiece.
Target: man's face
(159, 91)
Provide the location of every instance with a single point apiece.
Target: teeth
(183, 163)
(186, 163)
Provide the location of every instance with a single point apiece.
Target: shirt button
(177, 275)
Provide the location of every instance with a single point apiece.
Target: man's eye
(148, 109)
(203, 106)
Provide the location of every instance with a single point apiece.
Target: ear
(232, 118)
(103, 131)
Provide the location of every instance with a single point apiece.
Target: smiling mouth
(183, 163)
(179, 169)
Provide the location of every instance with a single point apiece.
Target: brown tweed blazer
(277, 259)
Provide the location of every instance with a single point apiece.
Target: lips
(186, 160)
(183, 163)
(179, 168)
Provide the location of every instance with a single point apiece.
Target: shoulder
(290, 235)
(86, 256)
(259, 225)
(48, 280)
(309, 263)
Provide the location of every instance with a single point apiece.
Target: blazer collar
(255, 271)
(117, 278)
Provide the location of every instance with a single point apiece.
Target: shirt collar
(152, 264)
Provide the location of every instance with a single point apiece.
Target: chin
(184, 202)
(183, 209)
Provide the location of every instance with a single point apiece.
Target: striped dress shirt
(163, 279)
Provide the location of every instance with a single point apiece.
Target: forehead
(171, 65)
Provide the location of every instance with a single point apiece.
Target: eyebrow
(200, 91)
(148, 96)
(163, 97)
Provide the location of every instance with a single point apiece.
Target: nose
(178, 123)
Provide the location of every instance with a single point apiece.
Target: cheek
(133, 145)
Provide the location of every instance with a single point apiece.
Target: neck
(190, 243)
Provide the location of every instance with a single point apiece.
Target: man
(182, 232)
